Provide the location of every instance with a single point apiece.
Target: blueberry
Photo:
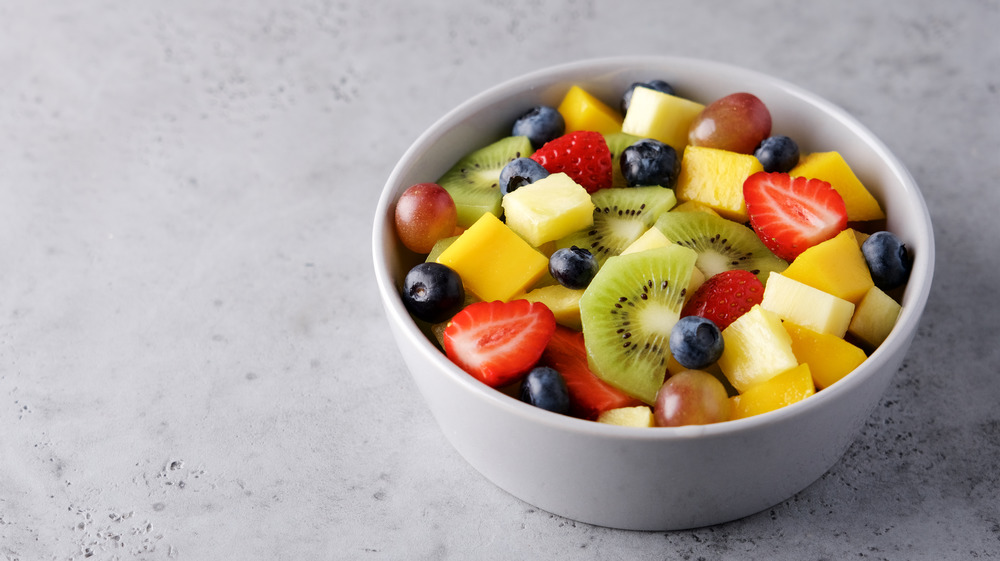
(573, 267)
(540, 124)
(888, 260)
(545, 387)
(777, 153)
(696, 342)
(650, 162)
(520, 172)
(433, 292)
(658, 85)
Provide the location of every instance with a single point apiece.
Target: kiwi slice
(617, 143)
(721, 244)
(627, 313)
(474, 181)
(621, 215)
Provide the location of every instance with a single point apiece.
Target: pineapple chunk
(638, 416)
(832, 168)
(654, 238)
(756, 348)
(804, 305)
(784, 389)
(493, 261)
(664, 117)
(874, 317)
(564, 303)
(836, 266)
(693, 206)
(583, 112)
(548, 209)
(715, 179)
(830, 358)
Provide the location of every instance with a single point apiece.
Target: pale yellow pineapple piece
(804, 305)
(756, 348)
(548, 209)
(715, 179)
(564, 303)
(836, 266)
(832, 168)
(874, 317)
(693, 206)
(664, 117)
(786, 388)
(654, 238)
(638, 416)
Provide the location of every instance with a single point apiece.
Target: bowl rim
(915, 298)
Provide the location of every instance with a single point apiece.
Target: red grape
(425, 213)
(737, 122)
(691, 397)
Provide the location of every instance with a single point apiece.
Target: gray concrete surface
(193, 361)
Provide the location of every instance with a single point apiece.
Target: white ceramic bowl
(659, 478)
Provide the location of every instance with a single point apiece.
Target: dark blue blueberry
(696, 342)
(540, 124)
(573, 267)
(888, 260)
(433, 292)
(545, 387)
(778, 154)
(658, 85)
(650, 162)
(520, 172)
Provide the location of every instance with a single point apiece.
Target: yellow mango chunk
(664, 117)
(584, 112)
(783, 389)
(832, 168)
(756, 348)
(564, 303)
(548, 209)
(715, 179)
(804, 305)
(638, 416)
(874, 317)
(835, 266)
(493, 261)
(830, 358)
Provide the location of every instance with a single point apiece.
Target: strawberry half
(582, 155)
(790, 214)
(725, 296)
(499, 342)
(589, 396)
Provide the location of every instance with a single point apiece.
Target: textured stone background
(193, 360)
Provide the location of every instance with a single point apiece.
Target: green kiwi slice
(721, 244)
(627, 313)
(621, 215)
(617, 143)
(474, 181)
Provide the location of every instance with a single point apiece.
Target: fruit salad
(651, 261)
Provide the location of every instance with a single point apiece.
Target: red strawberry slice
(499, 342)
(725, 296)
(790, 214)
(589, 396)
(582, 155)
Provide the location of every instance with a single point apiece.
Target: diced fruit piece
(665, 117)
(721, 244)
(783, 389)
(627, 313)
(790, 214)
(778, 153)
(617, 142)
(757, 348)
(499, 342)
(621, 216)
(804, 305)
(658, 85)
(694, 206)
(493, 261)
(439, 247)
(832, 168)
(724, 297)
(691, 397)
(433, 292)
(637, 416)
(548, 209)
(582, 155)
(573, 267)
(888, 259)
(545, 388)
(715, 178)
(835, 266)
(589, 395)
(564, 303)
(653, 238)
(650, 162)
(874, 317)
(696, 342)
(829, 357)
(474, 181)
(584, 112)
(424, 214)
(520, 172)
(540, 124)
(738, 122)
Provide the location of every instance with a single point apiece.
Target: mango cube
(832, 168)
(836, 266)
(715, 179)
(783, 389)
(756, 348)
(564, 303)
(548, 209)
(583, 112)
(874, 318)
(493, 261)
(804, 305)
(664, 117)
(830, 358)
(638, 416)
